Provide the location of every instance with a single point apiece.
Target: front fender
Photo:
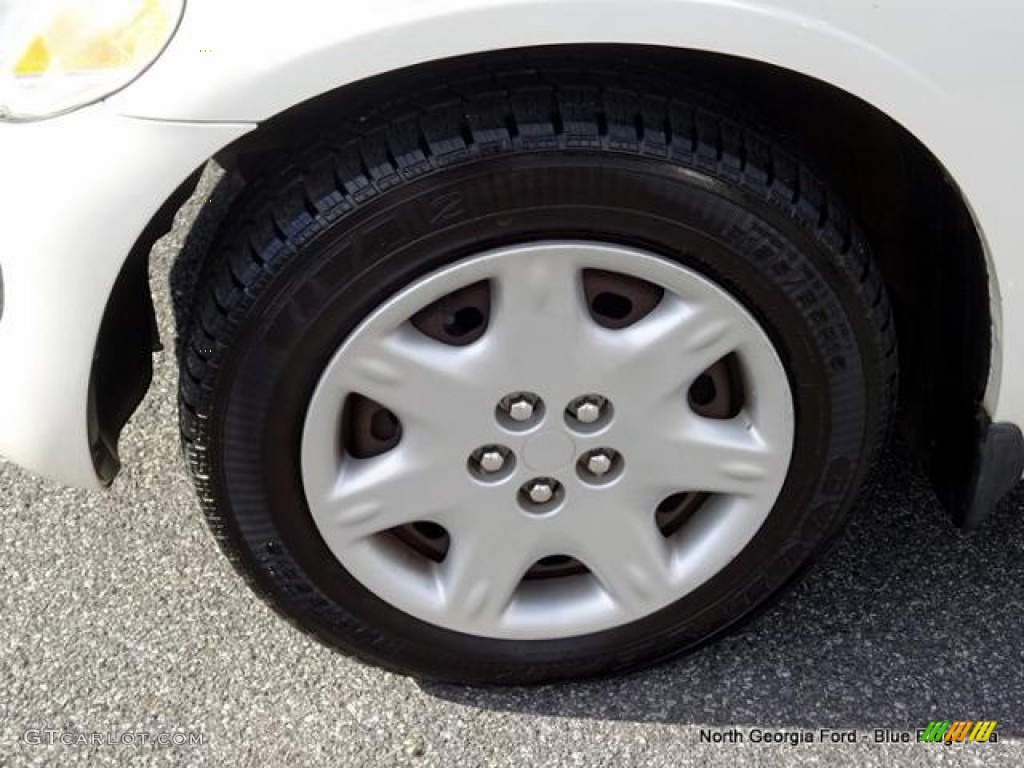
(75, 194)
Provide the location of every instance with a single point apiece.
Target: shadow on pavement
(906, 620)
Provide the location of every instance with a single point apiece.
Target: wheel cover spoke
(539, 323)
(673, 345)
(626, 553)
(374, 495)
(479, 576)
(395, 369)
(714, 456)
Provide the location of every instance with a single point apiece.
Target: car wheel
(544, 380)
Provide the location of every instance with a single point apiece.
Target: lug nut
(541, 492)
(587, 410)
(599, 464)
(520, 409)
(491, 461)
(540, 495)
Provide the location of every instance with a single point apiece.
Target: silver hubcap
(551, 437)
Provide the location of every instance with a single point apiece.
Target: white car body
(77, 190)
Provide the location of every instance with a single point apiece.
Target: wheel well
(926, 244)
(915, 218)
(122, 366)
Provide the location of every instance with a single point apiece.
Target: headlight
(58, 55)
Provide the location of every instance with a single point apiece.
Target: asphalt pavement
(120, 620)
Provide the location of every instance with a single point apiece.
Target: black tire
(333, 229)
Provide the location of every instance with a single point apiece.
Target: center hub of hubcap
(548, 452)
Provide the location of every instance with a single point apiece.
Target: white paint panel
(75, 194)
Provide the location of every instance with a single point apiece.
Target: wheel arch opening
(914, 215)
